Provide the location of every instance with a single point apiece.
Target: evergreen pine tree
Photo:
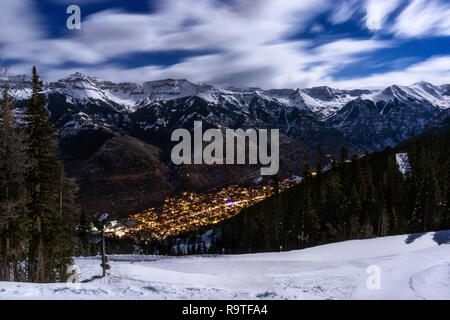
(13, 222)
(306, 172)
(319, 161)
(49, 249)
(383, 223)
(83, 231)
(344, 155)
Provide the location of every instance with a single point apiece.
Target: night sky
(265, 43)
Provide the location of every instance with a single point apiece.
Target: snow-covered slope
(411, 267)
(403, 164)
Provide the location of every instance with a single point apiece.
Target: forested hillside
(364, 198)
(354, 199)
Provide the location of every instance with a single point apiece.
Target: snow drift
(411, 267)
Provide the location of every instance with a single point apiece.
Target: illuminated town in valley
(191, 210)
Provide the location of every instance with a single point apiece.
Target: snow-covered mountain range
(115, 137)
(383, 117)
(323, 101)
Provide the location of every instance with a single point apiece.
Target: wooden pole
(103, 253)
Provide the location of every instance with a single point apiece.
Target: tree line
(38, 203)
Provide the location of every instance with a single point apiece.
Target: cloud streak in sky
(248, 43)
(424, 18)
(435, 70)
(19, 22)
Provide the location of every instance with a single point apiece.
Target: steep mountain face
(445, 89)
(375, 126)
(326, 101)
(441, 122)
(386, 118)
(115, 137)
(117, 173)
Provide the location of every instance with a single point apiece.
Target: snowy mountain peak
(324, 101)
(169, 86)
(423, 83)
(77, 75)
(394, 92)
(79, 79)
(423, 92)
(324, 93)
(169, 82)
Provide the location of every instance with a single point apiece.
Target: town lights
(191, 210)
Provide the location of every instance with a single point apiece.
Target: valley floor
(411, 267)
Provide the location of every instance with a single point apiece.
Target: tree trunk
(61, 181)
(40, 276)
(6, 270)
(15, 269)
(7, 262)
(1, 260)
(36, 271)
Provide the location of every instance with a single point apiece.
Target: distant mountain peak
(423, 83)
(77, 76)
(324, 101)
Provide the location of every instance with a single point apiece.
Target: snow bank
(411, 267)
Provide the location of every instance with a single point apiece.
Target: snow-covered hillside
(411, 267)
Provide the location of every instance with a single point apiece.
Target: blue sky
(265, 43)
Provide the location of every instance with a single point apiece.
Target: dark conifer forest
(364, 198)
(357, 198)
